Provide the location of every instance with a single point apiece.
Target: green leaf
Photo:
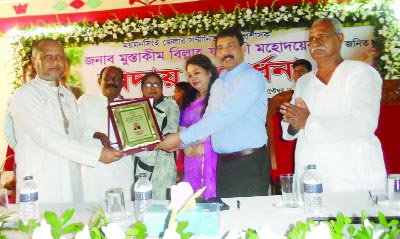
(299, 231)
(67, 215)
(351, 230)
(73, 228)
(52, 220)
(138, 229)
(395, 233)
(96, 233)
(251, 234)
(382, 220)
(29, 227)
(4, 217)
(393, 223)
(99, 217)
(96, 220)
(182, 225)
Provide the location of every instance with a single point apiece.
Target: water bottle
(143, 196)
(28, 200)
(312, 187)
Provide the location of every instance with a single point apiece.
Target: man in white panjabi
(49, 143)
(94, 116)
(334, 113)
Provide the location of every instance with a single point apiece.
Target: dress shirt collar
(227, 75)
(120, 97)
(45, 82)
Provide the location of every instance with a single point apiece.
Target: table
(257, 211)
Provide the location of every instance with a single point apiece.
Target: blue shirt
(236, 112)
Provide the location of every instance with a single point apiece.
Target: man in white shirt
(334, 113)
(94, 115)
(49, 143)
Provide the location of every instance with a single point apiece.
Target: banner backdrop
(272, 53)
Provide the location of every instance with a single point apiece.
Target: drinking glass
(115, 204)
(3, 200)
(394, 187)
(289, 190)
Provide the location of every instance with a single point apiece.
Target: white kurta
(43, 148)
(9, 131)
(339, 134)
(94, 116)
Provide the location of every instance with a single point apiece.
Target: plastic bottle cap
(311, 166)
(30, 177)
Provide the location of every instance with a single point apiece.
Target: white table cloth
(253, 212)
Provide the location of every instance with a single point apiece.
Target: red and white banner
(272, 53)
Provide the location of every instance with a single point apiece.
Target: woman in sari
(200, 160)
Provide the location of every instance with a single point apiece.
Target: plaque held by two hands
(133, 126)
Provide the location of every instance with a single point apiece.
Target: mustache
(317, 48)
(112, 86)
(227, 56)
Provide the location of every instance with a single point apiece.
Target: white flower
(180, 193)
(235, 233)
(249, 12)
(43, 231)
(266, 233)
(376, 232)
(113, 231)
(321, 231)
(171, 233)
(84, 234)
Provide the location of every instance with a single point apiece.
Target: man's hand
(109, 155)
(103, 138)
(171, 143)
(195, 150)
(296, 115)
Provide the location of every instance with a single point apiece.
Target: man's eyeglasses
(155, 85)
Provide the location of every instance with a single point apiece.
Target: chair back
(388, 130)
(282, 151)
(8, 174)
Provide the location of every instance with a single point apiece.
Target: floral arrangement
(334, 229)
(183, 198)
(350, 13)
(54, 227)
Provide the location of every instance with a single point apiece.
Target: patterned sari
(199, 171)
